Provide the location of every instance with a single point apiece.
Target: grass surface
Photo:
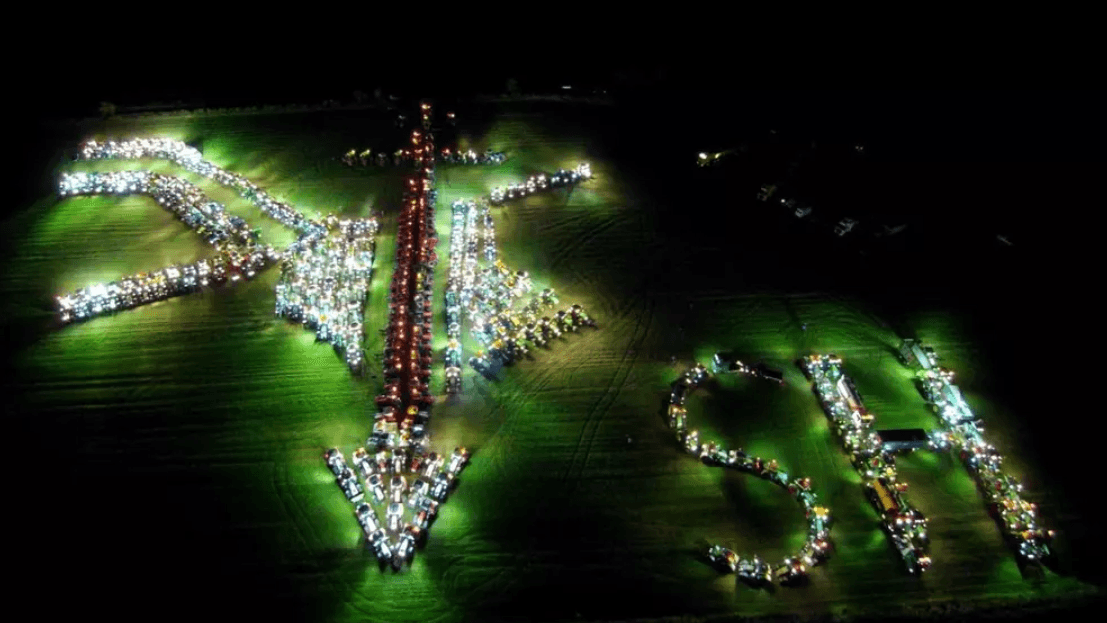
(193, 429)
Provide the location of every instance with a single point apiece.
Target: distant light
(703, 156)
(566, 87)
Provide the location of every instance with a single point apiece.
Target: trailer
(903, 439)
(726, 362)
(848, 391)
(765, 372)
(883, 499)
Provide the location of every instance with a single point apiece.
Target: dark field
(174, 452)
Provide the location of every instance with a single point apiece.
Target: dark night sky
(1020, 125)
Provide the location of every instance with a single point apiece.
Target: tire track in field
(605, 301)
(600, 407)
(552, 370)
(308, 527)
(281, 493)
(305, 525)
(546, 226)
(580, 440)
(583, 240)
(508, 405)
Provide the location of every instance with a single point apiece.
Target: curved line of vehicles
(816, 548)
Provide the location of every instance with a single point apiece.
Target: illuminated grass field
(193, 429)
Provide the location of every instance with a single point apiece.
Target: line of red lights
(408, 350)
